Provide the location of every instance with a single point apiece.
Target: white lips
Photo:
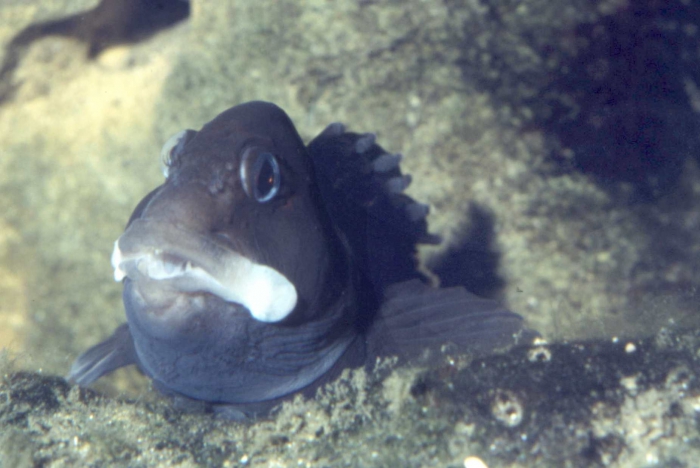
(265, 292)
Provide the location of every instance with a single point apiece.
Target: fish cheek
(293, 242)
(314, 247)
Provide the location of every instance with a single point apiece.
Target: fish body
(263, 267)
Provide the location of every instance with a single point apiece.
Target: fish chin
(170, 261)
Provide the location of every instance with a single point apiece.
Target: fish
(263, 267)
(108, 24)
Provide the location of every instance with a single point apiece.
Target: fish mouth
(160, 254)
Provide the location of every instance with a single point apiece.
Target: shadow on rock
(617, 93)
(473, 261)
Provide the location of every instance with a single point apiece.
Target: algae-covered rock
(598, 403)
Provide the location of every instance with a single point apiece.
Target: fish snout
(173, 253)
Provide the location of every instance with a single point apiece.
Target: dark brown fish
(263, 267)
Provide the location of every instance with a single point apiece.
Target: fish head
(236, 231)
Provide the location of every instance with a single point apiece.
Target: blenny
(263, 267)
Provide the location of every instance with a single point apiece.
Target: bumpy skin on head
(260, 268)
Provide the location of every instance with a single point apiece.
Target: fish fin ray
(105, 357)
(415, 316)
(362, 187)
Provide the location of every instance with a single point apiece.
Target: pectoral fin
(415, 317)
(115, 352)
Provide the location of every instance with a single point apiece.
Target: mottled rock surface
(604, 403)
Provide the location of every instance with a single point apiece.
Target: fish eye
(261, 179)
(266, 177)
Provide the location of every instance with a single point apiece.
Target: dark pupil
(266, 179)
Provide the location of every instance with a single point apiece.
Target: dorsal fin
(362, 187)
